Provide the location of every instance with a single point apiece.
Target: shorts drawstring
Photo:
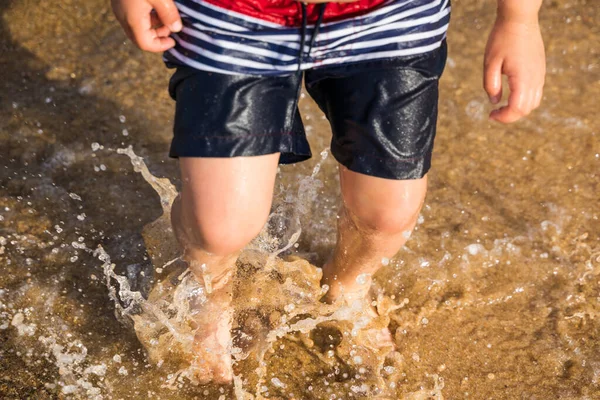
(314, 34)
(303, 29)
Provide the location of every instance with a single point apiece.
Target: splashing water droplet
(362, 279)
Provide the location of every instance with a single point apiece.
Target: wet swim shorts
(374, 74)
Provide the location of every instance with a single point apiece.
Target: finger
(163, 31)
(504, 115)
(157, 44)
(538, 97)
(492, 79)
(531, 101)
(147, 38)
(517, 104)
(518, 100)
(168, 14)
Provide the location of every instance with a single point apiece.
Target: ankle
(213, 279)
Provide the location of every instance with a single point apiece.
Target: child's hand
(148, 23)
(515, 49)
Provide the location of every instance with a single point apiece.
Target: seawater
(495, 296)
(274, 299)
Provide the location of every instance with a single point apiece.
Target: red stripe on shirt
(288, 12)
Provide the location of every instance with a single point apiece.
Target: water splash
(281, 304)
(163, 186)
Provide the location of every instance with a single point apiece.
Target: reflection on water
(496, 295)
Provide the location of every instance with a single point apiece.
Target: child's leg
(375, 221)
(230, 132)
(383, 117)
(223, 205)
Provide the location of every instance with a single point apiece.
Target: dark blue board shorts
(383, 114)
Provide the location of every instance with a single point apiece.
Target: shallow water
(497, 291)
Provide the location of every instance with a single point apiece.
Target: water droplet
(474, 249)
(362, 279)
(277, 383)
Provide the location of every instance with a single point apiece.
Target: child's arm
(148, 23)
(515, 49)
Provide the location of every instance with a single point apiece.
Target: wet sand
(501, 276)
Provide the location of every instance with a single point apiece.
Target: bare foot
(213, 319)
(347, 292)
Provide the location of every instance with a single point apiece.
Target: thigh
(383, 114)
(228, 191)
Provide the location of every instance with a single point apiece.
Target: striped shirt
(220, 38)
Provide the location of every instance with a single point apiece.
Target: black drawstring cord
(317, 26)
(302, 37)
(303, 29)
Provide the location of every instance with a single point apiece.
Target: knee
(218, 233)
(394, 215)
(226, 237)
